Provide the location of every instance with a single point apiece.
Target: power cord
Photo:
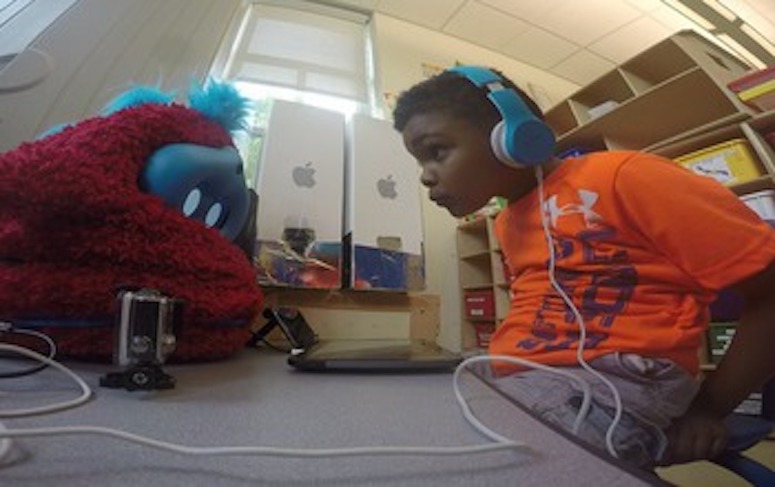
(5, 443)
(499, 444)
(86, 392)
(5, 434)
(7, 328)
(259, 450)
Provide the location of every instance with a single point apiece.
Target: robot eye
(213, 215)
(192, 201)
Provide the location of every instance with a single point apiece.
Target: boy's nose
(427, 178)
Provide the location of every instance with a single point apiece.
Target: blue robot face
(203, 183)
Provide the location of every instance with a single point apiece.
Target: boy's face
(458, 166)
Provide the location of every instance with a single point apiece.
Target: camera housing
(147, 324)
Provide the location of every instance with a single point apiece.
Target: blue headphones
(520, 139)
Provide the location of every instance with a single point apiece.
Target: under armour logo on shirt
(588, 200)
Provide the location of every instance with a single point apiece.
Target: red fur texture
(75, 227)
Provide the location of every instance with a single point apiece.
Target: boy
(641, 246)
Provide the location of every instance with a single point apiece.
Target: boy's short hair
(452, 94)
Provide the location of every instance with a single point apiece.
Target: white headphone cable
(471, 418)
(580, 320)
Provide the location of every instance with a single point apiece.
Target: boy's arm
(746, 366)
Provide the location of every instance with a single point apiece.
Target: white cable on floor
(259, 450)
(5, 433)
(86, 391)
(5, 443)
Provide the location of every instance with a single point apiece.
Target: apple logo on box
(387, 187)
(304, 176)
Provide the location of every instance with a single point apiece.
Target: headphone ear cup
(500, 147)
(522, 141)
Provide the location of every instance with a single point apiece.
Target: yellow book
(758, 90)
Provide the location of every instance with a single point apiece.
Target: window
(21, 21)
(321, 51)
(297, 51)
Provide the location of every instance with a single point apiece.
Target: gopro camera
(147, 322)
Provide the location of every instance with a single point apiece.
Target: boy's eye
(437, 152)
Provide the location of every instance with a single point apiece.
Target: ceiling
(578, 40)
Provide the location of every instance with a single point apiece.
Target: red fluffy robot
(149, 195)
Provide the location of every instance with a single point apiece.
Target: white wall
(98, 48)
(401, 50)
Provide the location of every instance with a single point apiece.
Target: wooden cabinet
(482, 275)
(677, 86)
(670, 100)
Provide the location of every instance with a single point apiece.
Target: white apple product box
(383, 218)
(300, 185)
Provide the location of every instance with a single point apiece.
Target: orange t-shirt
(641, 245)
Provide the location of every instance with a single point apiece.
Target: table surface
(256, 399)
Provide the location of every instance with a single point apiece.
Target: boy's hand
(697, 435)
(747, 364)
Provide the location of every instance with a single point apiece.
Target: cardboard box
(479, 304)
(761, 95)
(484, 333)
(752, 80)
(730, 162)
(762, 202)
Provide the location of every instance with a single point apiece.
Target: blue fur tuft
(221, 102)
(53, 130)
(138, 95)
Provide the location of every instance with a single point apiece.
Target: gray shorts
(653, 393)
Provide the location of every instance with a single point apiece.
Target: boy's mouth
(439, 200)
